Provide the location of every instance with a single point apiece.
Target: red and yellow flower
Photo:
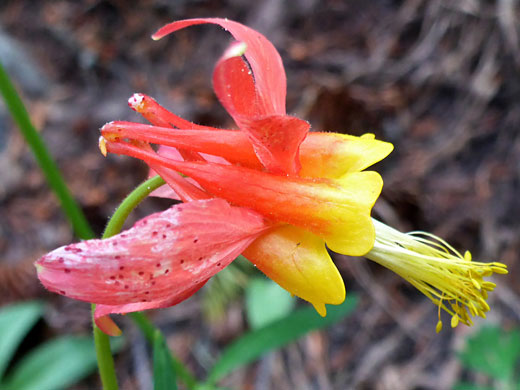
(271, 190)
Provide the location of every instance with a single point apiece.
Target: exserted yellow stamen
(437, 270)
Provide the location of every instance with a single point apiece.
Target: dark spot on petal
(219, 264)
(123, 236)
(62, 292)
(200, 258)
(158, 265)
(121, 268)
(114, 243)
(154, 233)
(153, 283)
(182, 261)
(147, 292)
(117, 283)
(126, 286)
(113, 278)
(121, 276)
(195, 240)
(164, 236)
(298, 244)
(117, 257)
(141, 273)
(73, 249)
(143, 300)
(61, 260)
(166, 271)
(67, 271)
(168, 225)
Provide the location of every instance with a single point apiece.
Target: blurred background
(438, 78)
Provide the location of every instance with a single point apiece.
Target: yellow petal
(332, 155)
(353, 231)
(298, 261)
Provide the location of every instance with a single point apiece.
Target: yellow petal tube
(298, 261)
(352, 231)
(332, 155)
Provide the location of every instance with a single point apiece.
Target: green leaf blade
(164, 377)
(15, 322)
(56, 364)
(277, 334)
(266, 302)
(493, 351)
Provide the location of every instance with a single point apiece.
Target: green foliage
(44, 159)
(493, 352)
(55, 364)
(15, 322)
(266, 302)
(256, 343)
(163, 375)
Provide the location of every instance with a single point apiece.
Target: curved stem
(119, 217)
(114, 226)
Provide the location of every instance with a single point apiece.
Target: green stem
(81, 226)
(149, 330)
(107, 371)
(114, 226)
(119, 217)
(50, 169)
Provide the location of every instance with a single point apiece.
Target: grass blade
(52, 173)
(254, 344)
(164, 377)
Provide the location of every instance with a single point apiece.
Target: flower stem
(119, 217)
(107, 372)
(45, 161)
(114, 226)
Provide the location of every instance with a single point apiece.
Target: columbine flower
(271, 190)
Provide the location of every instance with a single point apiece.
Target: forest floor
(438, 79)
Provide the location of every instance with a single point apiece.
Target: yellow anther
(103, 146)
(465, 316)
(472, 309)
(489, 286)
(483, 304)
(454, 321)
(438, 328)
(452, 280)
(499, 269)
